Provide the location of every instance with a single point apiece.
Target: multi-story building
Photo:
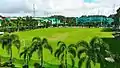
(94, 19)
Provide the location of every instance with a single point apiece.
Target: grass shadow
(114, 45)
(107, 30)
(19, 62)
(48, 65)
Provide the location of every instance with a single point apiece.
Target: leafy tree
(63, 52)
(7, 41)
(38, 45)
(95, 51)
(116, 18)
(30, 22)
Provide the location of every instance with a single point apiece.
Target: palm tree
(26, 55)
(38, 45)
(30, 22)
(7, 41)
(95, 51)
(19, 23)
(63, 51)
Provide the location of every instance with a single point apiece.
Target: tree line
(96, 51)
(28, 23)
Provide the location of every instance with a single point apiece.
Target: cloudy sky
(57, 7)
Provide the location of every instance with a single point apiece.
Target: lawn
(68, 35)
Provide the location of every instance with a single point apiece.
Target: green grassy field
(68, 35)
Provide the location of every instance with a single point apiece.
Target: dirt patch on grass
(58, 36)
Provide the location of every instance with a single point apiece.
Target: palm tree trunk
(11, 56)
(41, 57)
(27, 60)
(18, 28)
(66, 59)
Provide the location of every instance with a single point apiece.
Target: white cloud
(64, 7)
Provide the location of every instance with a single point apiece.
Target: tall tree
(7, 41)
(19, 23)
(38, 45)
(117, 19)
(95, 51)
(62, 53)
(30, 22)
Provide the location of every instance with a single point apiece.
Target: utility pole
(114, 8)
(98, 11)
(34, 10)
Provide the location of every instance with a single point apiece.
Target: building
(41, 19)
(94, 19)
(52, 20)
(0, 21)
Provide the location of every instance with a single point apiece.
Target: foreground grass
(68, 35)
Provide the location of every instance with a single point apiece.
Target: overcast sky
(63, 7)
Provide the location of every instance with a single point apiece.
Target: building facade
(94, 19)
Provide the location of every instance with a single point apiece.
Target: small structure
(42, 19)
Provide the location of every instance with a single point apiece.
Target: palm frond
(107, 53)
(84, 44)
(62, 57)
(25, 56)
(71, 46)
(39, 53)
(49, 48)
(56, 52)
(60, 42)
(4, 40)
(62, 65)
(73, 61)
(94, 59)
(62, 46)
(14, 37)
(29, 56)
(25, 52)
(81, 60)
(59, 53)
(44, 41)
(33, 49)
(8, 48)
(105, 46)
(77, 45)
(5, 36)
(4, 44)
(17, 43)
(80, 52)
(96, 41)
(88, 63)
(21, 53)
(35, 45)
(36, 38)
(72, 51)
